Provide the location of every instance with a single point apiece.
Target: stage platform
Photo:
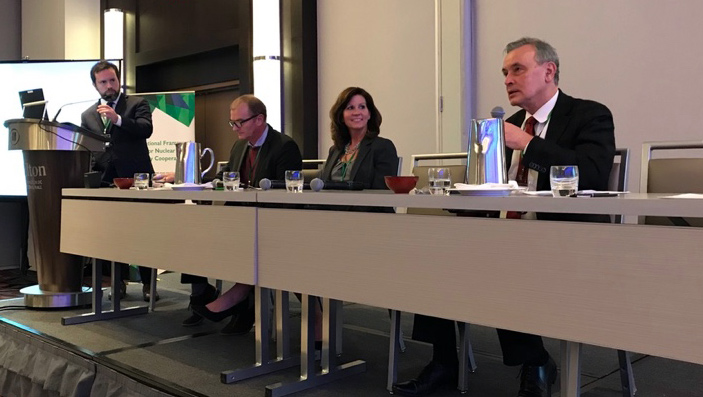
(153, 355)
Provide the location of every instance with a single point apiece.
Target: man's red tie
(522, 171)
(249, 168)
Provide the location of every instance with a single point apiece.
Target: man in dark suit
(259, 152)
(551, 129)
(127, 120)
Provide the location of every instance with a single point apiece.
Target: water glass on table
(440, 179)
(564, 180)
(141, 180)
(294, 181)
(231, 180)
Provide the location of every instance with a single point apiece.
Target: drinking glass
(141, 180)
(294, 181)
(564, 180)
(440, 180)
(231, 180)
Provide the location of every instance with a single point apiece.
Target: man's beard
(110, 95)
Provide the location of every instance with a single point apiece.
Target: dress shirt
(542, 117)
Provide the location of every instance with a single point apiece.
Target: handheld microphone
(69, 104)
(317, 184)
(265, 184)
(497, 112)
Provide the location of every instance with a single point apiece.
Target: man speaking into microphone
(127, 120)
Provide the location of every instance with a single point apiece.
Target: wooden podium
(56, 156)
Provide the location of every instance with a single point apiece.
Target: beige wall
(61, 29)
(82, 29)
(388, 48)
(641, 58)
(10, 30)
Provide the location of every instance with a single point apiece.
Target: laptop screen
(33, 103)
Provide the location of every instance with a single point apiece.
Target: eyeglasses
(238, 123)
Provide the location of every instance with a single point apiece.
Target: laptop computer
(33, 104)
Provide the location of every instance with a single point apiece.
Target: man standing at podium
(127, 121)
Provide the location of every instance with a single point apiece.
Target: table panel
(631, 287)
(629, 204)
(151, 194)
(213, 241)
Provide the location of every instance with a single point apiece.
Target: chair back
(458, 171)
(618, 176)
(458, 174)
(312, 168)
(682, 173)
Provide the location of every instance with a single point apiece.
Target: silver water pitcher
(486, 152)
(188, 156)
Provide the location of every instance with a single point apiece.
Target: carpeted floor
(189, 360)
(12, 281)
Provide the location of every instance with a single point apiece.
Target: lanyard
(345, 164)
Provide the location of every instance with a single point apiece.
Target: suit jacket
(128, 152)
(278, 154)
(376, 159)
(580, 132)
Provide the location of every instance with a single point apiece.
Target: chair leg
(466, 357)
(627, 378)
(393, 350)
(218, 286)
(338, 324)
(152, 290)
(401, 337)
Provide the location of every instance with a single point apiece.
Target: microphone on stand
(69, 104)
(497, 112)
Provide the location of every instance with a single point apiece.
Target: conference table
(628, 286)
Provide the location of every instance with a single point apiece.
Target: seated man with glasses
(259, 152)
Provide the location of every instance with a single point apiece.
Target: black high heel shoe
(215, 316)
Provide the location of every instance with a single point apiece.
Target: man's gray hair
(544, 52)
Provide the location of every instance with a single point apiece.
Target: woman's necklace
(348, 149)
(350, 154)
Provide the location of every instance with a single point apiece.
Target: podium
(56, 156)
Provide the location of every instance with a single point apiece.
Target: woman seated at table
(358, 155)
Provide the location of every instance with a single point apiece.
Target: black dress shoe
(193, 320)
(241, 323)
(537, 381)
(215, 316)
(146, 293)
(123, 291)
(211, 293)
(434, 376)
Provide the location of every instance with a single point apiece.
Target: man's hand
(164, 177)
(515, 138)
(108, 112)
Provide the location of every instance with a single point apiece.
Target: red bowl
(401, 184)
(123, 183)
